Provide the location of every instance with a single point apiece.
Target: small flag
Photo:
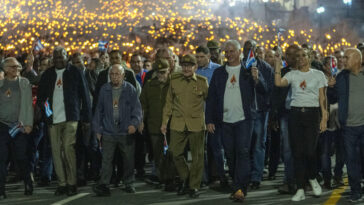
(103, 45)
(284, 63)
(165, 145)
(38, 45)
(48, 110)
(250, 60)
(280, 31)
(333, 66)
(15, 129)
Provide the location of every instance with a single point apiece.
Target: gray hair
(120, 68)
(8, 59)
(233, 43)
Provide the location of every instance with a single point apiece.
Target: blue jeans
(40, 141)
(236, 139)
(354, 144)
(258, 146)
(286, 150)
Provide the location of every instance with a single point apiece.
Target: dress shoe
(316, 188)
(129, 189)
(81, 182)
(182, 188)
(28, 189)
(43, 182)
(194, 193)
(61, 190)
(101, 190)
(71, 190)
(237, 196)
(255, 185)
(2, 194)
(338, 181)
(299, 196)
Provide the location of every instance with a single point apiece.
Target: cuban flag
(38, 45)
(48, 110)
(284, 63)
(250, 61)
(15, 129)
(165, 145)
(103, 45)
(333, 67)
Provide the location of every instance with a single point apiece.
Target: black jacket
(75, 91)
(279, 97)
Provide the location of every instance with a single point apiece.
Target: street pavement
(148, 194)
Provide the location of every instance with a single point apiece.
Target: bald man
(348, 92)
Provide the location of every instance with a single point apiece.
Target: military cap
(160, 64)
(213, 44)
(188, 58)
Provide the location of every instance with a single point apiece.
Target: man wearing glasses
(185, 109)
(16, 122)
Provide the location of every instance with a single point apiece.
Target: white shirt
(305, 87)
(59, 112)
(233, 105)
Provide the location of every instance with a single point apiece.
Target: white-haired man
(117, 117)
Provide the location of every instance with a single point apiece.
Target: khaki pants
(178, 143)
(63, 140)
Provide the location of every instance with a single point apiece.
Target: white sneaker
(316, 188)
(299, 196)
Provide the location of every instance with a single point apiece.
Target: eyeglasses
(14, 67)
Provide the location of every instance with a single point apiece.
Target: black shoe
(338, 181)
(287, 189)
(2, 193)
(328, 185)
(129, 189)
(81, 182)
(101, 190)
(182, 188)
(72, 190)
(194, 193)
(255, 185)
(28, 189)
(61, 190)
(43, 182)
(170, 186)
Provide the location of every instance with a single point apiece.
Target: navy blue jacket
(75, 91)
(215, 98)
(130, 111)
(340, 94)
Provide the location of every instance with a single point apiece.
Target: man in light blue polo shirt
(214, 150)
(205, 66)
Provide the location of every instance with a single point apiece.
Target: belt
(304, 109)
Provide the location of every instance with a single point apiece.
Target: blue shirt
(207, 71)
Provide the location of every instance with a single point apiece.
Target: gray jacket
(26, 101)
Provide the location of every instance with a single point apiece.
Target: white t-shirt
(305, 87)
(233, 106)
(59, 112)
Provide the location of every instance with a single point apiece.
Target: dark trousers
(274, 151)
(40, 150)
(86, 151)
(126, 145)
(354, 147)
(19, 145)
(139, 152)
(304, 132)
(236, 141)
(215, 154)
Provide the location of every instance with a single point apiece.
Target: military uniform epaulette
(176, 75)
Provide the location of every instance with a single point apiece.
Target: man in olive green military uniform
(185, 108)
(153, 98)
(215, 52)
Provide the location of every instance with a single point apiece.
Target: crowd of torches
(135, 25)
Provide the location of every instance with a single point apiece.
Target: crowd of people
(234, 111)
